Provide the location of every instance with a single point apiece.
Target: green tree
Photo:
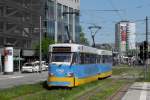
(45, 45)
(83, 39)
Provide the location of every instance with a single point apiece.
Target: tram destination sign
(61, 49)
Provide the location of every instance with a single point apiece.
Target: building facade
(20, 21)
(125, 36)
(56, 20)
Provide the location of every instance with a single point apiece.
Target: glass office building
(20, 21)
(56, 20)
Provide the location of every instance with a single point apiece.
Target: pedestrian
(129, 61)
(133, 61)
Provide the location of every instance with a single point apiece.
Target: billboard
(123, 35)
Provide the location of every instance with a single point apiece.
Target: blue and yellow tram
(73, 64)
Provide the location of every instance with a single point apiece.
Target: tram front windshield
(61, 57)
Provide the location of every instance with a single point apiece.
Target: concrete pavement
(138, 91)
(7, 81)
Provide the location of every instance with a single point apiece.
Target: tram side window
(75, 59)
(106, 59)
(109, 58)
(82, 58)
(103, 59)
(50, 57)
(98, 59)
(88, 58)
(92, 58)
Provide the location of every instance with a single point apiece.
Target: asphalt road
(7, 81)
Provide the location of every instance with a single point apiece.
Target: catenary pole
(146, 50)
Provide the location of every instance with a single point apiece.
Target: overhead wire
(113, 6)
(114, 9)
(117, 12)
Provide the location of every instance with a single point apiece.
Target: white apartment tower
(125, 36)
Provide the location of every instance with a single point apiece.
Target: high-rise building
(125, 36)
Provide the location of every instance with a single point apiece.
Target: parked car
(44, 66)
(30, 67)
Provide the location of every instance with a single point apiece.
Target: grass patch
(119, 71)
(108, 91)
(148, 76)
(66, 94)
(143, 78)
(121, 65)
(38, 92)
(127, 70)
(8, 94)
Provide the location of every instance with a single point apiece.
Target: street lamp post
(0, 64)
(40, 45)
(93, 33)
(56, 19)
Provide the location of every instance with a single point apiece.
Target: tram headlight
(70, 74)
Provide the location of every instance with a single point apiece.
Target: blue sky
(129, 10)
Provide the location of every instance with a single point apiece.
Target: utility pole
(146, 48)
(0, 63)
(40, 45)
(146, 29)
(93, 32)
(56, 19)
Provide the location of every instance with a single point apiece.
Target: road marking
(16, 76)
(143, 92)
(11, 77)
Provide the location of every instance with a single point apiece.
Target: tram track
(112, 88)
(120, 93)
(99, 89)
(92, 92)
